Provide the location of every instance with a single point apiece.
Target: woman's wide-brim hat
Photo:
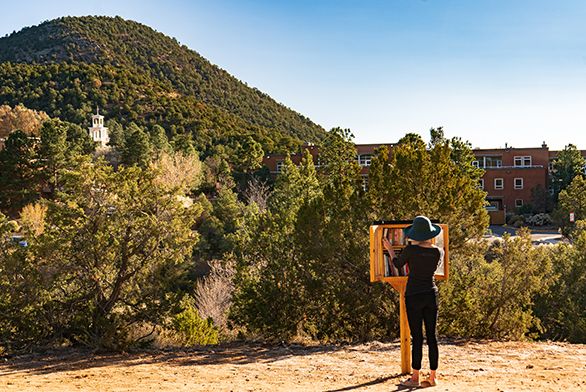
(422, 229)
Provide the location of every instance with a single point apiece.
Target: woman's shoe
(410, 383)
(428, 383)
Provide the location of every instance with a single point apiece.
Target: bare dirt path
(467, 366)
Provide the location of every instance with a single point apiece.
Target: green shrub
(194, 329)
(114, 246)
(516, 220)
(562, 309)
(525, 209)
(491, 289)
(571, 199)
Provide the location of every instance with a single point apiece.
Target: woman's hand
(388, 247)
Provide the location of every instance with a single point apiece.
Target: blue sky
(491, 72)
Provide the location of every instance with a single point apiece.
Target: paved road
(546, 236)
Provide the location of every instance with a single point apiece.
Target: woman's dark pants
(422, 308)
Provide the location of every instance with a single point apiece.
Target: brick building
(511, 175)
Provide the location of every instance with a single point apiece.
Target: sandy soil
(465, 366)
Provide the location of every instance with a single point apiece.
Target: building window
(518, 203)
(522, 161)
(499, 183)
(479, 162)
(550, 166)
(518, 183)
(364, 159)
(493, 205)
(481, 183)
(493, 162)
(365, 182)
(280, 166)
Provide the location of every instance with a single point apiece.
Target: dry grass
(257, 192)
(213, 293)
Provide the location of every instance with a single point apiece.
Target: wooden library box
(381, 265)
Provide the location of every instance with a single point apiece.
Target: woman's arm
(397, 261)
(388, 247)
(401, 260)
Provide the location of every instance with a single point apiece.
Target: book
(390, 269)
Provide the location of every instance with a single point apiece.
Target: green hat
(422, 229)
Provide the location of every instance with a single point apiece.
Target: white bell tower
(98, 132)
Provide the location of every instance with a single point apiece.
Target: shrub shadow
(68, 359)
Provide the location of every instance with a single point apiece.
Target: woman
(422, 257)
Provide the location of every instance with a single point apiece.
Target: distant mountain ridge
(68, 65)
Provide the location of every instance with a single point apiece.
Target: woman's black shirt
(422, 264)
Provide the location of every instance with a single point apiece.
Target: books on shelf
(390, 269)
(396, 236)
(398, 241)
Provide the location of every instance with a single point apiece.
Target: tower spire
(98, 131)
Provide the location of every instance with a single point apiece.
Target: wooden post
(405, 334)
(400, 284)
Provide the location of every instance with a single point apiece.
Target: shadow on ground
(379, 380)
(68, 359)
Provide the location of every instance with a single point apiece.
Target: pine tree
(333, 241)
(78, 140)
(183, 143)
(116, 134)
(248, 155)
(114, 247)
(159, 141)
(137, 150)
(306, 271)
(438, 181)
(567, 165)
(61, 142)
(271, 293)
(19, 179)
(53, 151)
(571, 199)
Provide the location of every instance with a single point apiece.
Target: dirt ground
(464, 366)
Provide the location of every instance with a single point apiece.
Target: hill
(67, 66)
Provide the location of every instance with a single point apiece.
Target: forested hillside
(65, 67)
